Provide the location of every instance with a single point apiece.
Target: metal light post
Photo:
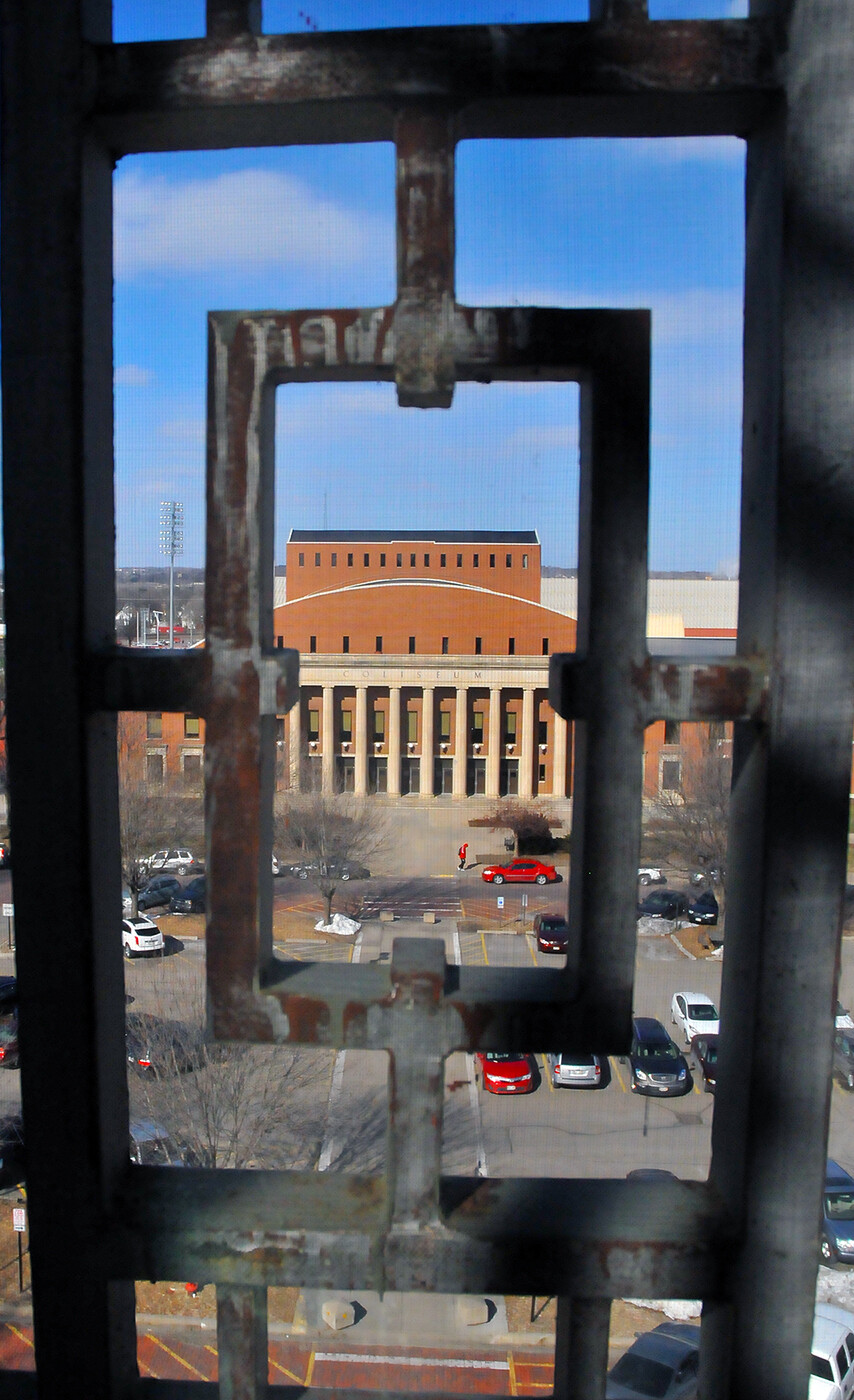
(171, 543)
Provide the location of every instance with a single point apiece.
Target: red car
(507, 1073)
(522, 869)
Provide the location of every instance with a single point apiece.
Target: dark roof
(427, 536)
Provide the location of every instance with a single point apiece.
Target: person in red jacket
(462, 852)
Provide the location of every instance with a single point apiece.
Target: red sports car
(522, 869)
(507, 1073)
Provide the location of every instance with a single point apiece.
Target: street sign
(500, 901)
(19, 1218)
(8, 911)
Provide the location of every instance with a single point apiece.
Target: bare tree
(689, 825)
(153, 812)
(528, 823)
(333, 833)
(228, 1105)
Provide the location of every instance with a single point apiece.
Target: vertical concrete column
(559, 737)
(526, 760)
(360, 783)
(295, 744)
(460, 743)
(328, 739)
(427, 740)
(493, 757)
(394, 741)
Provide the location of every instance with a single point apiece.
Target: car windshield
(711, 1055)
(701, 1011)
(658, 1049)
(846, 1045)
(553, 925)
(839, 1205)
(821, 1367)
(642, 1375)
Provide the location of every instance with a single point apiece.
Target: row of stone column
(461, 753)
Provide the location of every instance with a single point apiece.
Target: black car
(12, 1156)
(160, 890)
(664, 1363)
(664, 904)
(704, 909)
(837, 1226)
(8, 1023)
(191, 899)
(657, 1066)
(843, 1057)
(704, 1051)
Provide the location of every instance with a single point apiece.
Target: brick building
(424, 667)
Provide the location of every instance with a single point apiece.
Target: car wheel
(827, 1254)
(849, 1081)
(644, 880)
(183, 870)
(498, 879)
(126, 951)
(541, 879)
(303, 874)
(345, 874)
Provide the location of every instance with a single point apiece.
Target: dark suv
(837, 1226)
(191, 899)
(657, 1065)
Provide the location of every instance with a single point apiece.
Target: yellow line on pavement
(175, 1357)
(511, 1366)
(530, 942)
(285, 1372)
(310, 1372)
(547, 1073)
(616, 1069)
(483, 945)
(21, 1336)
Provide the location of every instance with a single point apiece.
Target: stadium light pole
(171, 543)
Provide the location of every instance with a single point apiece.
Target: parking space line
(547, 1074)
(285, 1372)
(616, 1069)
(175, 1357)
(529, 939)
(483, 945)
(511, 1366)
(309, 1371)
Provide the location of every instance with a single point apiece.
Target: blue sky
(586, 223)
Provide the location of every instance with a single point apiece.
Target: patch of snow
(679, 1309)
(835, 1286)
(339, 924)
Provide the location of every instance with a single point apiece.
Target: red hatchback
(522, 869)
(507, 1073)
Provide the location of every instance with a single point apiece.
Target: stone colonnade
(450, 759)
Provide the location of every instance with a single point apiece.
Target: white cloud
(133, 376)
(242, 218)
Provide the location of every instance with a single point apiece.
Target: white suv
(832, 1369)
(180, 861)
(141, 937)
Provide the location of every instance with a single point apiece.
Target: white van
(832, 1368)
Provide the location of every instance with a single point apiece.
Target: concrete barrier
(386, 916)
(430, 916)
(337, 1314)
(472, 1312)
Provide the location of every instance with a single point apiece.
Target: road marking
(529, 939)
(483, 945)
(285, 1372)
(440, 1362)
(27, 1340)
(514, 1389)
(616, 1068)
(175, 1357)
(309, 1371)
(547, 1073)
